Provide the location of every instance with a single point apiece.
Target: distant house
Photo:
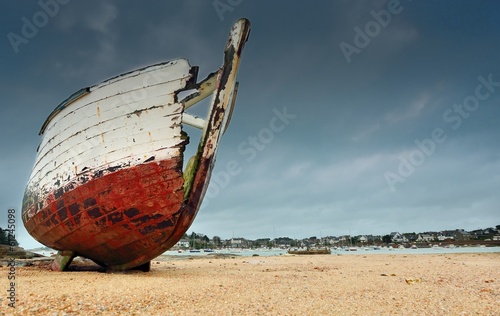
(461, 235)
(344, 238)
(482, 234)
(397, 237)
(425, 238)
(411, 237)
(443, 238)
(238, 243)
(445, 235)
(263, 242)
(330, 240)
(183, 243)
(283, 242)
(373, 239)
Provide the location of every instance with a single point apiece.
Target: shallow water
(406, 251)
(359, 251)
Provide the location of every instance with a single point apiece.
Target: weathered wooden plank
(174, 71)
(110, 134)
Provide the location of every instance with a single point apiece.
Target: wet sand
(447, 284)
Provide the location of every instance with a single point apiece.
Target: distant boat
(310, 251)
(414, 247)
(108, 182)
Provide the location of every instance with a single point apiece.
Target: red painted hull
(120, 220)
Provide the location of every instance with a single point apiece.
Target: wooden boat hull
(108, 182)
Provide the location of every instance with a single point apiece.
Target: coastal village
(458, 237)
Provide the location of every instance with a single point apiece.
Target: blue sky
(360, 117)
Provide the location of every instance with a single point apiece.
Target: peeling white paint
(120, 122)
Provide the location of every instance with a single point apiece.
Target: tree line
(7, 239)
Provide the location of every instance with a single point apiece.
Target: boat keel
(62, 260)
(145, 267)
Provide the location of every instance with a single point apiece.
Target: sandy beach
(444, 284)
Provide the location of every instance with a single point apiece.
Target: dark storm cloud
(353, 121)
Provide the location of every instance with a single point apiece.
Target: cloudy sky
(360, 117)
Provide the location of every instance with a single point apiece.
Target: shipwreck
(108, 182)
